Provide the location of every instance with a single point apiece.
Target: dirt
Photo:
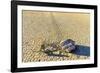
(40, 27)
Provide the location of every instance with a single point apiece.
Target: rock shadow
(82, 50)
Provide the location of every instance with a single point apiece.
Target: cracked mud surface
(39, 27)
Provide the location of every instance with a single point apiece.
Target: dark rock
(68, 45)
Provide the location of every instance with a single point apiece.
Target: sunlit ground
(40, 27)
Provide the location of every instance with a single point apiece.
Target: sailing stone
(68, 45)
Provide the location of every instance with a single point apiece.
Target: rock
(49, 48)
(68, 45)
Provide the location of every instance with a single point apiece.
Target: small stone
(68, 45)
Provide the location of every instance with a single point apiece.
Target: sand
(39, 27)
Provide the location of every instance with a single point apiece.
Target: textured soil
(40, 27)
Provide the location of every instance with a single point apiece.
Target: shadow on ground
(82, 50)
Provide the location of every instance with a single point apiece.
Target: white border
(38, 64)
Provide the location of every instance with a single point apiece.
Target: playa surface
(52, 27)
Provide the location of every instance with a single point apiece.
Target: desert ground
(39, 27)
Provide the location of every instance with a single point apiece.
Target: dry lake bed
(39, 27)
